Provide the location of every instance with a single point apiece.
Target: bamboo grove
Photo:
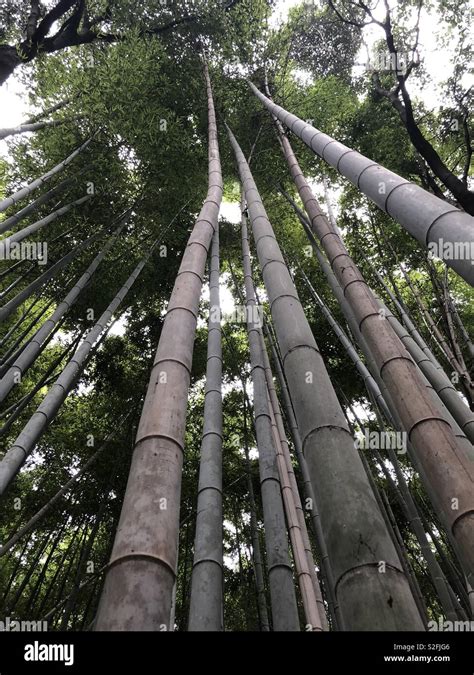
(236, 323)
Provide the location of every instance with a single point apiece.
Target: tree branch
(53, 15)
(469, 148)
(33, 19)
(456, 186)
(345, 19)
(70, 35)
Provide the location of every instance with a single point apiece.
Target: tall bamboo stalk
(372, 380)
(34, 227)
(34, 126)
(312, 599)
(427, 218)
(434, 383)
(138, 589)
(85, 553)
(315, 613)
(206, 604)
(9, 307)
(426, 360)
(280, 577)
(17, 217)
(6, 290)
(407, 502)
(454, 358)
(451, 477)
(273, 479)
(462, 328)
(35, 427)
(256, 550)
(28, 189)
(21, 364)
(354, 528)
(389, 410)
(10, 354)
(310, 500)
(49, 111)
(436, 376)
(47, 378)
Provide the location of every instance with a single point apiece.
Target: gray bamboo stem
(138, 589)
(21, 364)
(35, 427)
(430, 220)
(34, 227)
(28, 189)
(343, 493)
(9, 307)
(206, 603)
(13, 220)
(448, 469)
(256, 550)
(280, 576)
(35, 126)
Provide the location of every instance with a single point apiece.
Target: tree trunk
(448, 470)
(280, 577)
(354, 529)
(138, 588)
(206, 606)
(28, 189)
(25, 443)
(9, 60)
(433, 222)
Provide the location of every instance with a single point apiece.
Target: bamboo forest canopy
(236, 270)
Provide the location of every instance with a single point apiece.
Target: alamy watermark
(246, 314)
(451, 250)
(382, 440)
(389, 62)
(385, 61)
(9, 625)
(451, 626)
(25, 250)
(38, 651)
